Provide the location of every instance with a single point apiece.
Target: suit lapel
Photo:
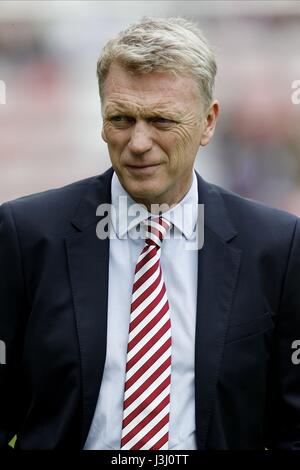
(218, 266)
(88, 259)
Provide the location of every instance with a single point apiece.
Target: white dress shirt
(180, 269)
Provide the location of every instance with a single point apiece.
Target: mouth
(143, 169)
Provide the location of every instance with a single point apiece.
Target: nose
(140, 139)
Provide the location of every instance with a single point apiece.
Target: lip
(143, 166)
(143, 169)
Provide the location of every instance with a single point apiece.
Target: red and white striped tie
(148, 369)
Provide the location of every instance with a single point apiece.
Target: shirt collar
(128, 214)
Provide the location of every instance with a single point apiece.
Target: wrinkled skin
(153, 125)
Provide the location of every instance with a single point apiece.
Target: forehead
(162, 89)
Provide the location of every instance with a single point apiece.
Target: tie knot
(156, 229)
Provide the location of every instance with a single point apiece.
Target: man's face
(153, 127)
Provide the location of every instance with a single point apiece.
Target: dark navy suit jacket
(53, 316)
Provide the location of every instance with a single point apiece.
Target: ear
(103, 135)
(210, 123)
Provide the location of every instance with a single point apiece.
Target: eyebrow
(148, 114)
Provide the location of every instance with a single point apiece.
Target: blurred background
(50, 123)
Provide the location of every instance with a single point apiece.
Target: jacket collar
(98, 192)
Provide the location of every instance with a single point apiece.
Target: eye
(121, 121)
(162, 121)
(117, 118)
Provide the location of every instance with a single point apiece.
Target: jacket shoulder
(49, 210)
(241, 208)
(50, 196)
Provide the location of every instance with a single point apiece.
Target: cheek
(114, 137)
(183, 145)
(116, 142)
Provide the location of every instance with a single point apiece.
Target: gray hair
(162, 44)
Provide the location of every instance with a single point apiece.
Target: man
(207, 362)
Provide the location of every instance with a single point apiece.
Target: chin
(142, 192)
